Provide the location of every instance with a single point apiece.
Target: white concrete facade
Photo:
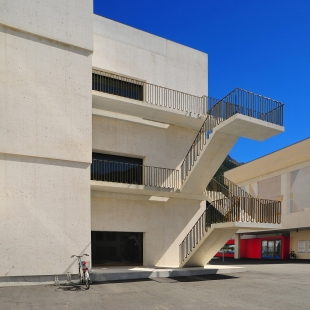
(45, 134)
(51, 121)
(133, 53)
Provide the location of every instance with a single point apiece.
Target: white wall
(159, 147)
(45, 90)
(164, 224)
(138, 54)
(45, 215)
(68, 21)
(45, 134)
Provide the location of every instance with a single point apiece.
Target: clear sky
(261, 46)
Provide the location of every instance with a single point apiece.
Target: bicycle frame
(83, 270)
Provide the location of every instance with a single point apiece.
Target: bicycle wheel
(87, 284)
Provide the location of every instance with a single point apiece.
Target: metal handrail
(193, 238)
(119, 172)
(220, 186)
(243, 209)
(158, 95)
(221, 111)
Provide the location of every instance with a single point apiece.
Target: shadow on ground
(249, 261)
(212, 277)
(71, 288)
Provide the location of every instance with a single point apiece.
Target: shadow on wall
(74, 260)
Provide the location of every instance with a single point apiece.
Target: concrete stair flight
(239, 114)
(232, 209)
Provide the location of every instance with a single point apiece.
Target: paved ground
(264, 286)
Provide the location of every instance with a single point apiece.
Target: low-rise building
(283, 175)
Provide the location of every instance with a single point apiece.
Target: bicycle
(83, 270)
(292, 254)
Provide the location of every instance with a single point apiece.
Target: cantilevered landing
(133, 189)
(219, 144)
(146, 110)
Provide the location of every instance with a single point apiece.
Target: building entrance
(116, 248)
(272, 249)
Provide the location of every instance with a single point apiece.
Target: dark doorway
(116, 248)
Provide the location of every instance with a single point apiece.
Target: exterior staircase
(231, 208)
(239, 114)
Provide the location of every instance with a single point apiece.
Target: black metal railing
(192, 238)
(120, 172)
(243, 209)
(257, 106)
(238, 101)
(232, 203)
(177, 100)
(220, 187)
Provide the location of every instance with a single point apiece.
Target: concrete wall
(300, 236)
(164, 224)
(45, 134)
(159, 147)
(138, 54)
(45, 91)
(67, 21)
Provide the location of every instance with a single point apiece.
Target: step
(101, 274)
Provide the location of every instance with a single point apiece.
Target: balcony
(119, 94)
(127, 178)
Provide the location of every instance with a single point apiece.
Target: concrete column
(237, 246)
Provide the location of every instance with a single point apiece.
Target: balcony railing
(243, 209)
(257, 106)
(119, 172)
(220, 187)
(150, 93)
(232, 203)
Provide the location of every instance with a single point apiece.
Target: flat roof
(290, 155)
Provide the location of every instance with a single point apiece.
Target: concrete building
(285, 176)
(108, 140)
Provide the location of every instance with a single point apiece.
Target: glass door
(278, 249)
(271, 249)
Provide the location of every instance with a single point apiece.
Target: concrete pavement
(264, 286)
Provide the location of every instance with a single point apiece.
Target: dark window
(120, 169)
(126, 248)
(125, 87)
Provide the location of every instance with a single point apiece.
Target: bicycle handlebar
(79, 256)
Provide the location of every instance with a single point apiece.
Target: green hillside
(228, 164)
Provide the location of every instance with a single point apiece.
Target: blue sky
(261, 46)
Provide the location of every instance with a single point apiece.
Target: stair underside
(216, 237)
(221, 141)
